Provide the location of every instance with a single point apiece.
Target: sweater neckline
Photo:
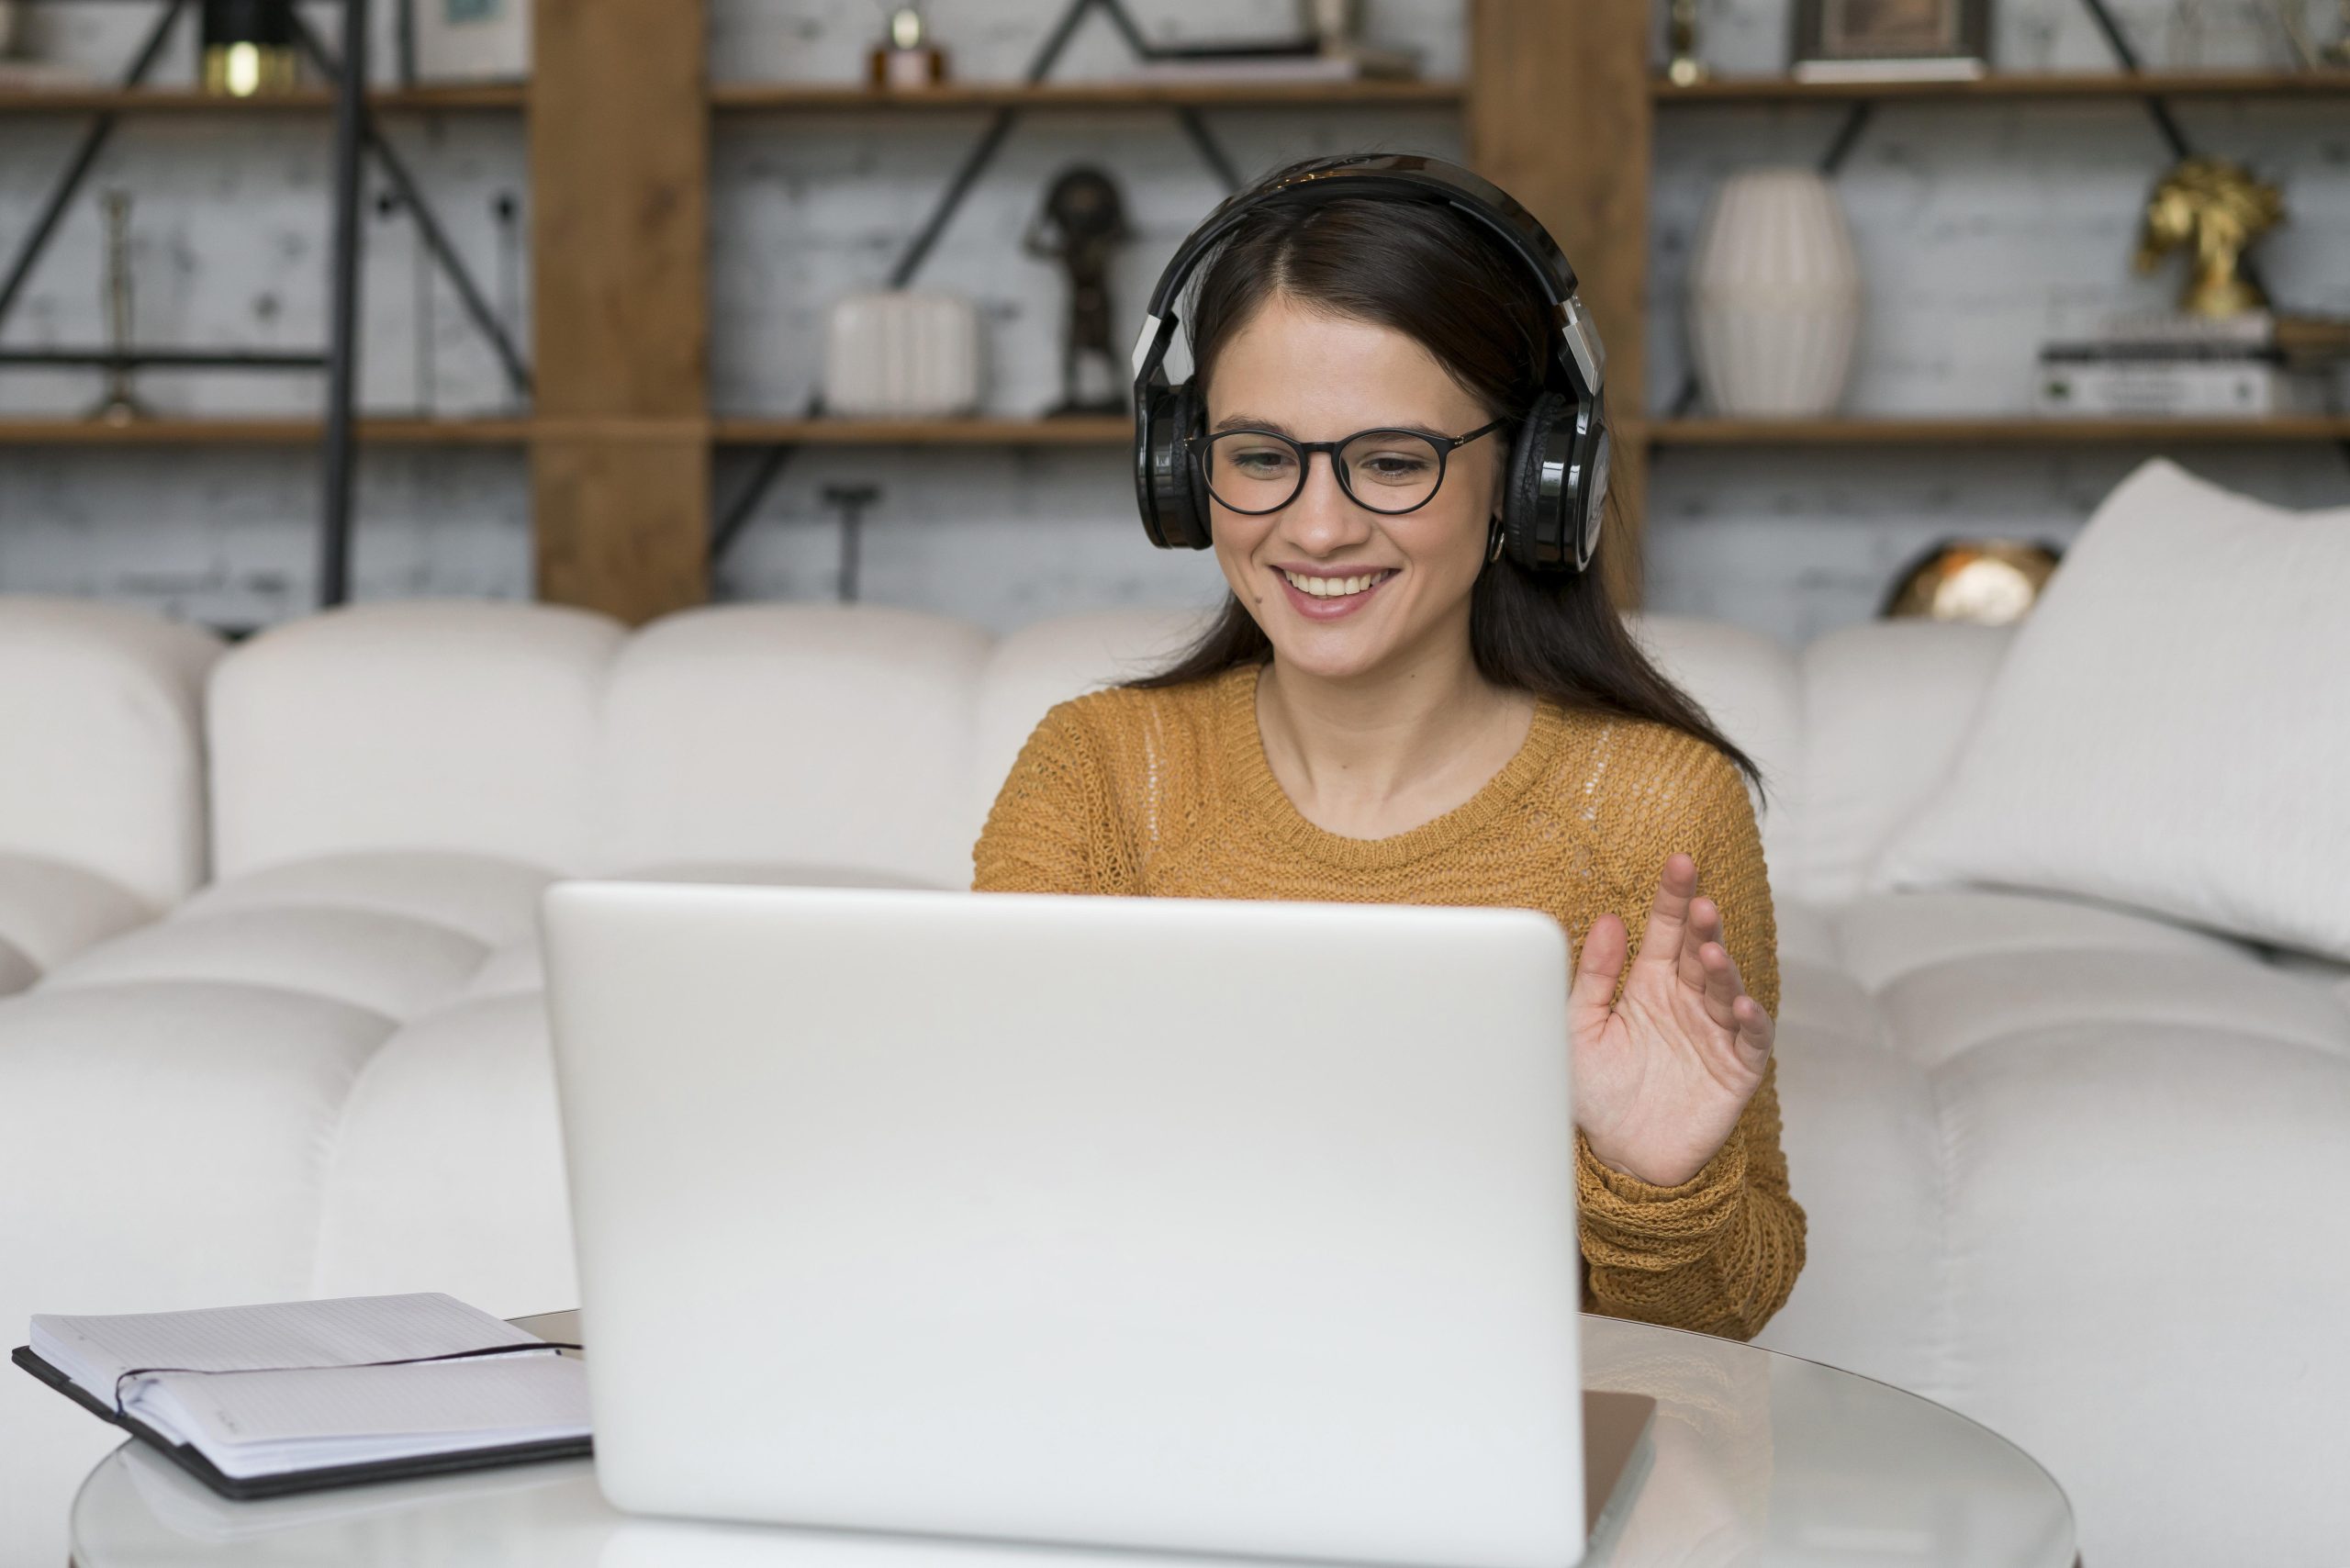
(1262, 796)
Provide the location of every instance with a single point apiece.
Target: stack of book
(2154, 365)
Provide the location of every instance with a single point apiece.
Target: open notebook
(256, 1401)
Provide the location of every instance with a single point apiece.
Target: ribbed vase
(1775, 297)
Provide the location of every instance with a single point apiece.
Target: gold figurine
(2219, 209)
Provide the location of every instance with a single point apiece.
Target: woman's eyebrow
(1251, 422)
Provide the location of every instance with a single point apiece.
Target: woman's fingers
(1599, 963)
(1668, 925)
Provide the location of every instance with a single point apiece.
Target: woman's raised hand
(1661, 1076)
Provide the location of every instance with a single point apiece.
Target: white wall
(1976, 226)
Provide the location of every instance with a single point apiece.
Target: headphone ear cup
(1166, 482)
(1191, 420)
(1538, 513)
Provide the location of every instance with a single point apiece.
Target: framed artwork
(1859, 40)
(472, 40)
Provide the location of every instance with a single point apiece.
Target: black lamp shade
(267, 23)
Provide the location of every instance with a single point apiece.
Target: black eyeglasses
(1254, 472)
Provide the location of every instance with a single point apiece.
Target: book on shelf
(2219, 387)
(1359, 64)
(1926, 68)
(289, 1396)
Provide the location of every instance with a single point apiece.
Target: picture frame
(472, 40)
(1891, 40)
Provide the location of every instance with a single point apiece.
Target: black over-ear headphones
(1557, 478)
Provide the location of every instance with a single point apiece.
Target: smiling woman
(1418, 692)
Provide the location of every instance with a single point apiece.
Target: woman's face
(1314, 376)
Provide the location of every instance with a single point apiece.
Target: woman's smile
(1326, 593)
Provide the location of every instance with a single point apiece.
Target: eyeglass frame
(1446, 445)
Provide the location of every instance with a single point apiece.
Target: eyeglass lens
(1388, 471)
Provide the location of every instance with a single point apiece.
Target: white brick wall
(1976, 225)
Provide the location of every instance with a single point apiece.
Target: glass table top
(1754, 1458)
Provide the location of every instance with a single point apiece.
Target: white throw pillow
(2170, 728)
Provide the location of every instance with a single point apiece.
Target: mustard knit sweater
(1168, 793)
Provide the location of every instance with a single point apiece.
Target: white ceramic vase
(902, 354)
(1775, 297)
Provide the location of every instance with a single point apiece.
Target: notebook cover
(204, 1469)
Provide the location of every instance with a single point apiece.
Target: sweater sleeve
(1719, 1252)
(1050, 830)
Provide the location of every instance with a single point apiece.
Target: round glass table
(1753, 1458)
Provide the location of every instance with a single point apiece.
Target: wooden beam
(1560, 116)
(619, 167)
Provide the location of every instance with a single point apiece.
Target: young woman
(1392, 708)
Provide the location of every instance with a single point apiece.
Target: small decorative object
(901, 354)
(248, 47)
(1081, 225)
(1775, 297)
(1990, 582)
(905, 57)
(472, 41)
(121, 405)
(1684, 69)
(1885, 41)
(2337, 53)
(2220, 209)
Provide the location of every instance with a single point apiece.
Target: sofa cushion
(50, 910)
(415, 725)
(833, 738)
(100, 708)
(2168, 729)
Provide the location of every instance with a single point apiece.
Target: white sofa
(2076, 1171)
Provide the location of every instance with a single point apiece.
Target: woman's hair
(1422, 270)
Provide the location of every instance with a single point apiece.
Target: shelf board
(306, 100)
(20, 431)
(2015, 85)
(1107, 95)
(2021, 431)
(1090, 429)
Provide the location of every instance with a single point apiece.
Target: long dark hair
(1437, 278)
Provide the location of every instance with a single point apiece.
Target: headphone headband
(1394, 177)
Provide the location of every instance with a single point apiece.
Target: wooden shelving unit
(2013, 86)
(740, 97)
(500, 96)
(1559, 104)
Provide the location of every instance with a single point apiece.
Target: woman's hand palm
(1661, 1076)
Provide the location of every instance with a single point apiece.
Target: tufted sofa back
(866, 743)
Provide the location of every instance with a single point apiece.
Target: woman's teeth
(1336, 588)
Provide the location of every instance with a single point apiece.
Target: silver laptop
(1172, 1224)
